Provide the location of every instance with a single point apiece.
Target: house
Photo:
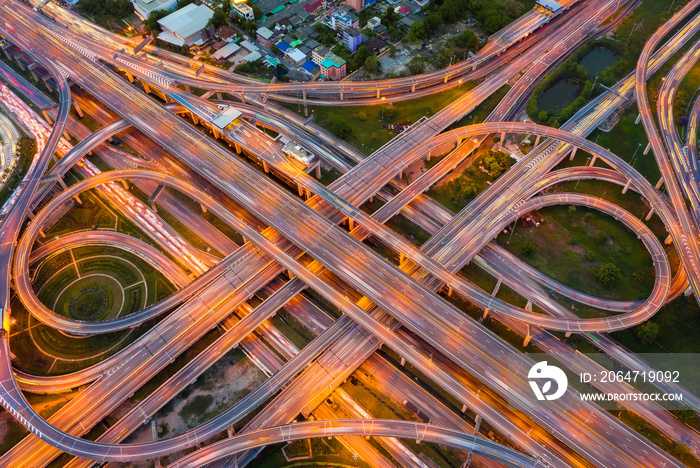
(312, 69)
(352, 39)
(265, 36)
(334, 68)
(144, 8)
(226, 51)
(314, 8)
(283, 46)
(409, 20)
(403, 10)
(296, 56)
(341, 20)
(296, 21)
(186, 25)
(284, 23)
(312, 44)
(421, 3)
(320, 54)
(376, 45)
(226, 33)
(373, 23)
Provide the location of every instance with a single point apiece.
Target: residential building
(226, 51)
(341, 20)
(352, 39)
(315, 7)
(226, 33)
(320, 54)
(312, 69)
(312, 44)
(186, 25)
(243, 10)
(376, 45)
(265, 36)
(403, 10)
(296, 56)
(373, 22)
(356, 5)
(144, 8)
(334, 68)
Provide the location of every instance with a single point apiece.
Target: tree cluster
(607, 275)
(105, 10)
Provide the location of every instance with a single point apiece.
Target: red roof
(403, 10)
(313, 6)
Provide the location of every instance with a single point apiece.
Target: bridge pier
(573, 153)
(308, 193)
(341, 95)
(77, 108)
(464, 408)
(306, 110)
(427, 156)
(486, 313)
(318, 170)
(659, 183)
(78, 200)
(503, 137)
(638, 119)
(195, 119)
(528, 306)
(688, 291)
(567, 334)
(593, 159)
(626, 187)
(301, 189)
(668, 240)
(528, 337)
(445, 79)
(31, 68)
(403, 361)
(187, 88)
(413, 88)
(497, 287)
(239, 150)
(351, 226)
(146, 87)
(378, 96)
(265, 167)
(129, 76)
(646, 150)
(218, 96)
(47, 117)
(537, 140)
(648, 217)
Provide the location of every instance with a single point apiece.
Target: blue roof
(309, 66)
(283, 46)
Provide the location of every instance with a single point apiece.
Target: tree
(151, 24)
(417, 65)
(527, 248)
(638, 276)
(601, 237)
(648, 332)
(607, 275)
(372, 63)
(257, 12)
(218, 19)
(275, 50)
(467, 40)
(340, 128)
(183, 3)
(687, 416)
(543, 116)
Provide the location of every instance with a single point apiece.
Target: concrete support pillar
(668, 240)
(659, 183)
(378, 96)
(218, 96)
(34, 75)
(77, 108)
(445, 81)
(66, 135)
(567, 334)
(204, 208)
(306, 109)
(265, 167)
(130, 76)
(318, 170)
(486, 313)
(464, 408)
(427, 156)
(341, 95)
(528, 337)
(301, 189)
(626, 187)
(537, 140)
(146, 87)
(688, 291)
(78, 200)
(528, 306)
(497, 287)
(195, 119)
(47, 117)
(573, 153)
(217, 135)
(62, 183)
(242, 98)
(413, 88)
(646, 150)
(187, 88)
(651, 213)
(351, 225)
(477, 423)
(638, 119)
(402, 258)
(308, 195)
(7, 54)
(503, 137)
(593, 159)
(403, 361)
(239, 150)
(449, 291)
(125, 183)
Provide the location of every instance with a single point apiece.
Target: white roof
(249, 45)
(265, 33)
(226, 51)
(252, 57)
(227, 116)
(188, 20)
(296, 55)
(167, 37)
(551, 5)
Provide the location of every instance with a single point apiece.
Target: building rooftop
(296, 55)
(226, 51)
(550, 5)
(265, 33)
(188, 20)
(352, 32)
(333, 61)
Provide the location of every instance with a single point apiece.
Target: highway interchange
(299, 242)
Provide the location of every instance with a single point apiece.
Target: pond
(563, 93)
(598, 59)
